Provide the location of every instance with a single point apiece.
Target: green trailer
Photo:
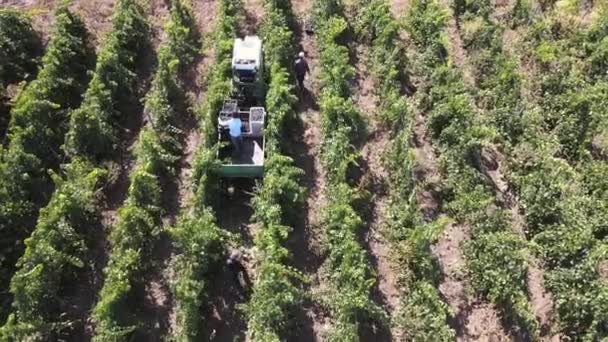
(247, 95)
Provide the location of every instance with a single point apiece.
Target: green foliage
(498, 266)
(218, 81)
(278, 200)
(139, 220)
(347, 266)
(20, 47)
(462, 137)
(482, 8)
(388, 61)
(479, 33)
(55, 251)
(520, 14)
(424, 314)
(94, 126)
(36, 132)
(564, 209)
(200, 243)
(425, 21)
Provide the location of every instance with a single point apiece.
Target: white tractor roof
(247, 52)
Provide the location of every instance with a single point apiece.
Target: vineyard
(441, 175)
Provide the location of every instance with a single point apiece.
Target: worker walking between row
(235, 126)
(301, 69)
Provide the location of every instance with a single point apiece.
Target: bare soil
(386, 292)
(254, 12)
(426, 171)
(456, 50)
(400, 7)
(95, 13)
(306, 240)
(493, 165)
(225, 321)
(447, 249)
(540, 299)
(177, 192)
(115, 193)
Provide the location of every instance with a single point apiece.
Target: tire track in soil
(305, 242)
(225, 321)
(374, 179)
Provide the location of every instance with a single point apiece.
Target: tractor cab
(247, 97)
(248, 70)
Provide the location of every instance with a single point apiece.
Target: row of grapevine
(20, 47)
(157, 152)
(557, 175)
(564, 210)
(496, 258)
(19, 51)
(495, 74)
(199, 240)
(346, 267)
(422, 314)
(276, 294)
(56, 253)
(36, 133)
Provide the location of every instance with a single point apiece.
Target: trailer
(248, 91)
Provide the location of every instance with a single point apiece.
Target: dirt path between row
(178, 193)
(456, 50)
(540, 300)
(225, 321)
(386, 292)
(306, 240)
(473, 319)
(153, 291)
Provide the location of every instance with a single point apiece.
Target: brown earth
(386, 292)
(426, 171)
(95, 13)
(254, 12)
(306, 240)
(540, 299)
(154, 289)
(472, 320)
(400, 7)
(225, 321)
(492, 163)
(457, 53)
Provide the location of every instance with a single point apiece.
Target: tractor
(248, 91)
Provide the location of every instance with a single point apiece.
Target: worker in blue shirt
(235, 126)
